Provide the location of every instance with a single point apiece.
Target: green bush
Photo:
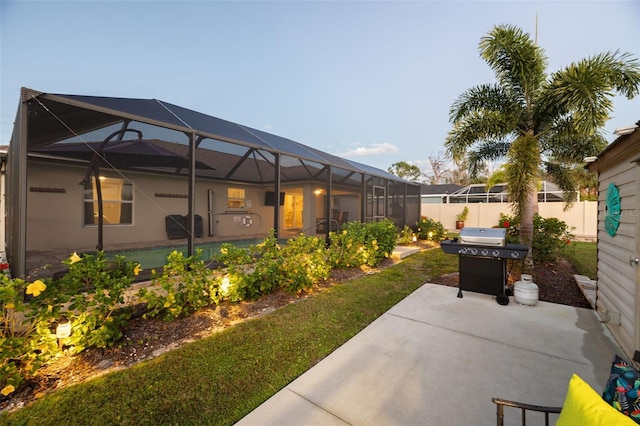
(550, 236)
(294, 266)
(406, 235)
(89, 297)
(93, 290)
(431, 230)
(185, 286)
(20, 356)
(360, 244)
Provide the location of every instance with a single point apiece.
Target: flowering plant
(20, 352)
(90, 295)
(430, 229)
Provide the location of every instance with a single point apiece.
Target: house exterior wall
(55, 198)
(3, 201)
(581, 217)
(618, 296)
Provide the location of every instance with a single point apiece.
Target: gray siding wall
(617, 298)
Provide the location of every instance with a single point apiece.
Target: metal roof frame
(47, 118)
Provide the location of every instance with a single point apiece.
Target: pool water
(157, 257)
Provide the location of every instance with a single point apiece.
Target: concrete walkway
(435, 359)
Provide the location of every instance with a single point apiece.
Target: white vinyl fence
(582, 217)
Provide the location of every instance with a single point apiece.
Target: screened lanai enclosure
(88, 172)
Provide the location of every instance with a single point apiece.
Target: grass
(220, 379)
(583, 256)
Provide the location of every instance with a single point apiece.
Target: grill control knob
(496, 253)
(515, 255)
(485, 252)
(462, 251)
(474, 251)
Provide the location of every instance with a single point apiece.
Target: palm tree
(532, 119)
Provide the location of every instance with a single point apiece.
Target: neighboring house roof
(629, 137)
(448, 188)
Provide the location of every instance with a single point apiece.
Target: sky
(372, 81)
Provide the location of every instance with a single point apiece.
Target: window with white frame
(235, 198)
(117, 201)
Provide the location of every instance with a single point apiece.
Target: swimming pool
(157, 257)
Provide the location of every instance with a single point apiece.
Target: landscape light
(63, 330)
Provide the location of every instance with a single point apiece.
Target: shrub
(406, 235)
(431, 230)
(293, 266)
(20, 355)
(360, 244)
(304, 262)
(93, 292)
(550, 236)
(88, 296)
(185, 285)
(381, 240)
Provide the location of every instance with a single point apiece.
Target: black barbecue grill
(482, 259)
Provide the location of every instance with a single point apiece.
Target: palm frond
(565, 177)
(482, 98)
(483, 114)
(517, 61)
(585, 89)
(493, 150)
(488, 151)
(560, 140)
(475, 128)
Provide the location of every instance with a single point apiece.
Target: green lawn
(218, 380)
(583, 256)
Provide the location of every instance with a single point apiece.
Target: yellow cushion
(584, 407)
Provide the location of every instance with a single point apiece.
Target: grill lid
(483, 236)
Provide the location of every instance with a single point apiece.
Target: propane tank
(525, 291)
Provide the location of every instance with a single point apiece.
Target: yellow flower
(9, 306)
(36, 287)
(7, 390)
(137, 269)
(74, 258)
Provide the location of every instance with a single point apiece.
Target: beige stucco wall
(581, 217)
(54, 209)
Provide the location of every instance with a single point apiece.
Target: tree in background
(531, 119)
(405, 171)
(440, 171)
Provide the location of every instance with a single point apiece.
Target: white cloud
(420, 163)
(373, 149)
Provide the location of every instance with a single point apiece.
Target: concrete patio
(435, 359)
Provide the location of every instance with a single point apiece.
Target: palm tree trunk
(529, 208)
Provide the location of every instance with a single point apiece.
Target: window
(117, 202)
(235, 198)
